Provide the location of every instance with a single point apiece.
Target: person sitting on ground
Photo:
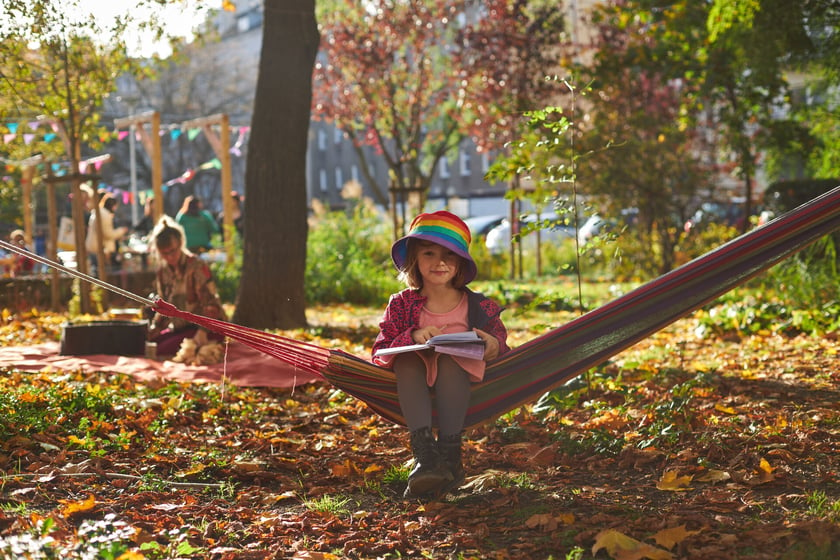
(199, 226)
(435, 264)
(18, 265)
(185, 281)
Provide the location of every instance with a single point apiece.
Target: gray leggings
(452, 393)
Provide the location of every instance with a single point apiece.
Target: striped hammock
(556, 357)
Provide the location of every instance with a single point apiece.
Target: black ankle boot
(449, 448)
(428, 474)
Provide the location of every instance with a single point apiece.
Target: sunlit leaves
(312, 473)
(672, 482)
(622, 547)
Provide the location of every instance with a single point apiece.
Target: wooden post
(157, 165)
(221, 147)
(151, 143)
(52, 241)
(26, 182)
(79, 233)
(27, 173)
(76, 180)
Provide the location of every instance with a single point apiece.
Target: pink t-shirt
(452, 322)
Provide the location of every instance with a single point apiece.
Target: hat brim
(399, 253)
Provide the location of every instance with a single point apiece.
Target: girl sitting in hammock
(434, 262)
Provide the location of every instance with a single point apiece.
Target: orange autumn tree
(415, 79)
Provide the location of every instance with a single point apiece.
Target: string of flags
(50, 130)
(30, 131)
(125, 196)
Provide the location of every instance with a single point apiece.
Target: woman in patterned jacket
(185, 281)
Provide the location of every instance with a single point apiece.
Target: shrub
(701, 241)
(349, 258)
(227, 275)
(800, 294)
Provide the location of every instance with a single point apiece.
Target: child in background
(434, 262)
(18, 265)
(185, 281)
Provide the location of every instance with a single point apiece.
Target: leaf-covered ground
(680, 447)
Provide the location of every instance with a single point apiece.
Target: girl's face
(172, 253)
(437, 265)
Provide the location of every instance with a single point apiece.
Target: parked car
(596, 224)
(498, 238)
(590, 228)
(731, 214)
(481, 225)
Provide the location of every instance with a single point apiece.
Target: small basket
(119, 338)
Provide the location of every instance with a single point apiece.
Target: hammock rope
(553, 359)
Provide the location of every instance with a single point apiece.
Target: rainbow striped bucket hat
(443, 228)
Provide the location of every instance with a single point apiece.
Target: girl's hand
(491, 345)
(422, 336)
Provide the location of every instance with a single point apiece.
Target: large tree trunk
(271, 292)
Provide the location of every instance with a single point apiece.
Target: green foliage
(783, 196)
(349, 258)
(10, 195)
(25, 410)
(177, 547)
(53, 69)
(820, 505)
(702, 240)
(396, 475)
(227, 275)
(799, 295)
(335, 505)
(529, 296)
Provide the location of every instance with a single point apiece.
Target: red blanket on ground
(242, 366)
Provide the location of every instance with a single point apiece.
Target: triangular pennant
(212, 164)
(192, 133)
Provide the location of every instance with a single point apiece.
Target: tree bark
(271, 292)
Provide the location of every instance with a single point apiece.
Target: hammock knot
(165, 308)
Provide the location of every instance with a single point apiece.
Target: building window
(322, 140)
(354, 174)
(444, 168)
(339, 179)
(485, 163)
(322, 179)
(337, 135)
(464, 157)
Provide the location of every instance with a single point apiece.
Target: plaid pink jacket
(402, 316)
